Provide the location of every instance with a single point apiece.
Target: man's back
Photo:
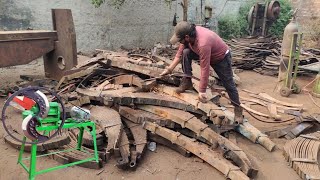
(206, 37)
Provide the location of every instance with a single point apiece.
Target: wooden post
(184, 5)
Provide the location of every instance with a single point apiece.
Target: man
(199, 43)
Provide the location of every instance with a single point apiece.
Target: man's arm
(205, 58)
(175, 62)
(177, 58)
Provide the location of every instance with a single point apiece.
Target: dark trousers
(222, 68)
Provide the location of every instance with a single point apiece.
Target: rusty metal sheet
(64, 56)
(17, 52)
(27, 35)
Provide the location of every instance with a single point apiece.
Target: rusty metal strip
(160, 140)
(110, 122)
(139, 116)
(124, 151)
(74, 156)
(303, 154)
(189, 121)
(140, 142)
(201, 150)
(213, 111)
(48, 145)
(64, 56)
(110, 98)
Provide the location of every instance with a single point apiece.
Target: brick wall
(308, 17)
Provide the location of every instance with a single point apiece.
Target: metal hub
(31, 122)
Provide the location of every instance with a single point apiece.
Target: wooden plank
(254, 111)
(213, 158)
(266, 96)
(253, 100)
(110, 121)
(273, 112)
(280, 104)
(187, 120)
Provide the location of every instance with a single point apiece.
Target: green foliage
(277, 27)
(243, 15)
(237, 26)
(229, 27)
(116, 3)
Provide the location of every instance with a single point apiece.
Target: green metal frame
(53, 124)
(293, 58)
(316, 87)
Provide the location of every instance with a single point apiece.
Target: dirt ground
(165, 163)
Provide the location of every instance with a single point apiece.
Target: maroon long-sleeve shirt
(210, 48)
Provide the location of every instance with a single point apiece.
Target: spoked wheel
(17, 128)
(285, 91)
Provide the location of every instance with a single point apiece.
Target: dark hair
(192, 32)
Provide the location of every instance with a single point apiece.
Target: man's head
(183, 33)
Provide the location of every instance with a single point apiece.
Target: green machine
(44, 121)
(289, 86)
(290, 57)
(316, 87)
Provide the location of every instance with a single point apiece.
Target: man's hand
(166, 72)
(203, 97)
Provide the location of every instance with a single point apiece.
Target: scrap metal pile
(132, 106)
(263, 55)
(302, 154)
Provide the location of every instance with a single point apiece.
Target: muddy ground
(165, 163)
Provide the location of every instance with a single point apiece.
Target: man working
(199, 43)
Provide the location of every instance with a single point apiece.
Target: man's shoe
(185, 84)
(238, 117)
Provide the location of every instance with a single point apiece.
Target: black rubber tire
(285, 92)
